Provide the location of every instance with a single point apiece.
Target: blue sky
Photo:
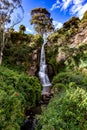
(61, 11)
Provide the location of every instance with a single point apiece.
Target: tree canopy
(72, 22)
(41, 20)
(7, 9)
(9, 16)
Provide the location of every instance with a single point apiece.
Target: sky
(60, 10)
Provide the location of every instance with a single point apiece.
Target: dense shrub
(29, 86)
(37, 40)
(66, 77)
(68, 111)
(17, 92)
(12, 105)
(17, 56)
(20, 38)
(51, 56)
(74, 21)
(59, 87)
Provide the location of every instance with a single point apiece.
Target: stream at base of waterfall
(30, 123)
(44, 79)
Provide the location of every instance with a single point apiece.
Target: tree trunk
(2, 45)
(1, 55)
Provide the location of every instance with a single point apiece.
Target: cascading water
(43, 72)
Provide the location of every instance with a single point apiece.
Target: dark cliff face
(34, 62)
(50, 71)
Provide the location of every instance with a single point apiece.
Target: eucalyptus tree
(11, 13)
(43, 23)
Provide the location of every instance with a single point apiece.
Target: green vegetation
(66, 111)
(68, 108)
(72, 22)
(66, 57)
(42, 21)
(18, 92)
(18, 50)
(6, 10)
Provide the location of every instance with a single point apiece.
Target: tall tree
(42, 21)
(9, 16)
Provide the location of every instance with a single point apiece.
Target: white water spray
(43, 72)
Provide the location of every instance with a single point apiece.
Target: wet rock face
(50, 71)
(34, 55)
(32, 70)
(34, 65)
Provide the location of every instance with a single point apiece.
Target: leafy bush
(51, 56)
(66, 77)
(30, 89)
(59, 87)
(12, 105)
(17, 92)
(37, 40)
(17, 56)
(18, 50)
(74, 21)
(68, 111)
(20, 37)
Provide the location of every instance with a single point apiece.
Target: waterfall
(43, 72)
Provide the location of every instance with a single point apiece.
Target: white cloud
(55, 5)
(78, 8)
(77, 2)
(66, 4)
(29, 30)
(75, 7)
(57, 24)
(82, 11)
